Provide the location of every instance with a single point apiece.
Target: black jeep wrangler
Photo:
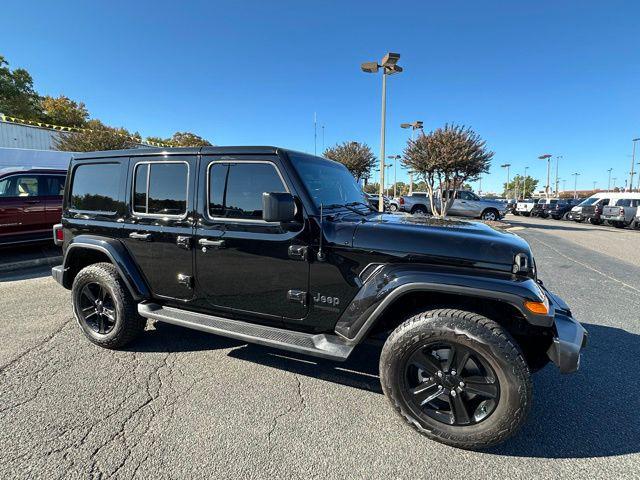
(281, 248)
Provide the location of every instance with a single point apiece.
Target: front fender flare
(393, 281)
(117, 254)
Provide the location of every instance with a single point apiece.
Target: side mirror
(278, 207)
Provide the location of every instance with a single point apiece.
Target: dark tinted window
(235, 189)
(95, 187)
(167, 192)
(624, 202)
(140, 188)
(53, 184)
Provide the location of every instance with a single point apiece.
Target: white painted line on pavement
(637, 290)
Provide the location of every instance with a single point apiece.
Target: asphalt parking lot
(181, 404)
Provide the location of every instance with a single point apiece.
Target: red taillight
(59, 234)
(622, 211)
(401, 201)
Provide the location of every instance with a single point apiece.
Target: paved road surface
(182, 404)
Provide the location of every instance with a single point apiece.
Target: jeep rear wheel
(456, 377)
(104, 308)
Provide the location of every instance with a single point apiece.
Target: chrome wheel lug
(461, 384)
(453, 372)
(453, 393)
(439, 374)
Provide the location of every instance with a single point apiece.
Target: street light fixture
(389, 66)
(524, 188)
(395, 172)
(417, 125)
(547, 157)
(507, 165)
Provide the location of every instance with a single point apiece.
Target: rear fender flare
(117, 254)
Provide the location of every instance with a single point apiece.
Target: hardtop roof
(143, 152)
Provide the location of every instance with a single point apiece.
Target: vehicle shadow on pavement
(360, 370)
(592, 413)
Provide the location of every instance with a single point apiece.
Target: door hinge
(185, 280)
(297, 296)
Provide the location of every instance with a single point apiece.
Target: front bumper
(569, 337)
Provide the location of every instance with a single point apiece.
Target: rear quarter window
(95, 188)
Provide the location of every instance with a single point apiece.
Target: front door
(158, 231)
(244, 264)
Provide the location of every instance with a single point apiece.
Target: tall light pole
(387, 166)
(594, 185)
(524, 189)
(507, 165)
(609, 182)
(558, 157)
(547, 157)
(575, 185)
(417, 125)
(633, 161)
(389, 66)
(614, 182)
(395, 172)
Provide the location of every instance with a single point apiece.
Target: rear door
(244, 264)
(10, 205)
(158, 229)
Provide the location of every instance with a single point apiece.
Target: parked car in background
(622, 212)
(524, 207)
(415, 203)
(576, 212)
(592, 211)
(511, 206)
(465, 204)
(562, 207)
(373, 199)
(541, 208)
(30, 203)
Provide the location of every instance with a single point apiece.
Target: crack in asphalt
(289, 409)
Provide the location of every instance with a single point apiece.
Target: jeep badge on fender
(240, 235)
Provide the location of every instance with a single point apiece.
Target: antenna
(315, 133)
(321, 256)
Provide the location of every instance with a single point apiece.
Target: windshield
(328, 182)
(589, 201)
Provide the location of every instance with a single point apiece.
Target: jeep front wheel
(456, 377)
(104, 307)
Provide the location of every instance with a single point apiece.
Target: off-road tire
(481, 335)
(128, 325)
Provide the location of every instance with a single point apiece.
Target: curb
(36, 262)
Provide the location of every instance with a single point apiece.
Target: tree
(372, 188)
(445, 159)
(518, 184)
(17, 96)
(64, 111)
(182, 139)
(357, 157)
(97, 136)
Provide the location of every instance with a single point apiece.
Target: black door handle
(140, 236)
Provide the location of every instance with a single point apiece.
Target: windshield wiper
(348, 206)
(368, 205)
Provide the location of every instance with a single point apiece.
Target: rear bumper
(611, 218)
(569, 337)
(57, 273)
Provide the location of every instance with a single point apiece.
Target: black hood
(440, 241)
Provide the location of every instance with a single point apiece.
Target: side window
(160, 188)
(7, 187)
(26, 186)
(465, 195)
(54, 184)
(95, 187)
(235, 189)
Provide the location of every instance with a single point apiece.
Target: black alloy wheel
(450, 383)
(97, 308)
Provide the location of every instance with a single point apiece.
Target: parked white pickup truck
(524, 207)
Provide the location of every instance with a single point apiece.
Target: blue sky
(560, 77)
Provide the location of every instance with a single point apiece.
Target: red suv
(30, 203)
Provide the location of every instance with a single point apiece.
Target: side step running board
(318, 345)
